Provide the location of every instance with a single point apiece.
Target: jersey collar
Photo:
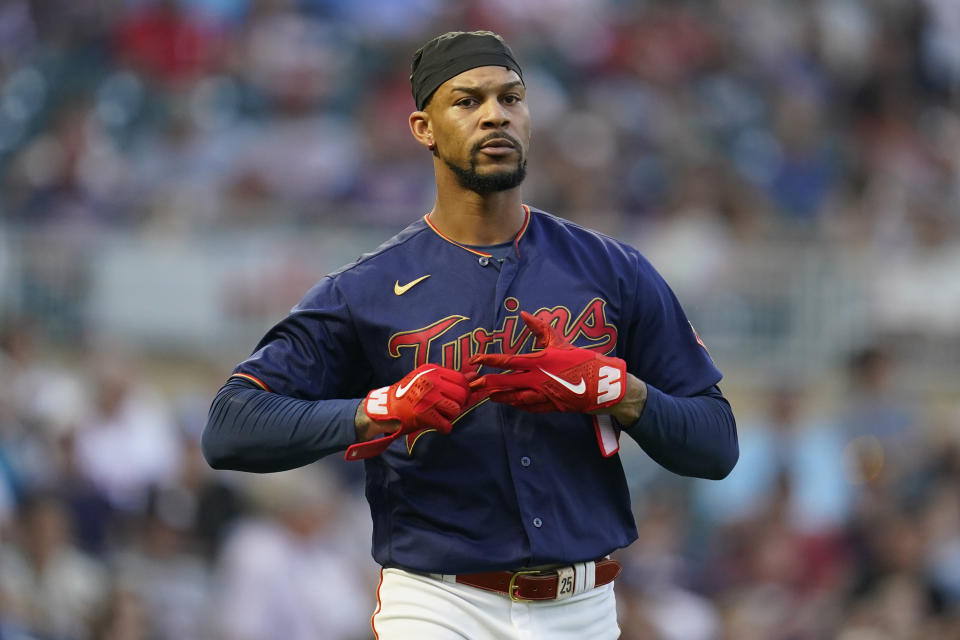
(516, 240)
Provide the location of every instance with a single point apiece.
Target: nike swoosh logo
(578, 388)
(400, 290)
(402, 390)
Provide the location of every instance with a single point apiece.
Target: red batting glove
(561, 377)
(426, 398)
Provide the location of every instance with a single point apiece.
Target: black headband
(453, 53)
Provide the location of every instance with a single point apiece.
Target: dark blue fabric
(254, 430)
(694, 436)
(464, 502)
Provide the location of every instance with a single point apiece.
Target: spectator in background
(775, 532)
(181, 168)
(18, 32)
(808, 162)
(163, 570)
(130, 441)
(40, 401)
(389, 190)
(165, 42)
(784, 446)
(71, 175)
(48, 587)
(123, 618)
(207, 504)
(941, 525)
(915, 294)
(691, 246)
(657, 591)
(294, 571)
(890, 591)
(877, 418)
(305, 154)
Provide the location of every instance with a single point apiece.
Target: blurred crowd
(837, 117)
(840, 521)
(113, 527)
(691, 128)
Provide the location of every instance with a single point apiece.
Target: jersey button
(525, 461)
(484, 261)
(537, 522)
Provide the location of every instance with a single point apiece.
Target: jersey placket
(518, 442)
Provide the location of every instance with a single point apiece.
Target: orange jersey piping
(253, 379)
(523, 229)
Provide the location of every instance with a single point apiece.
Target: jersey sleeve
(662, 346)
(312, 354)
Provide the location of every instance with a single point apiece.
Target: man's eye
(511, 99)
(466, 102)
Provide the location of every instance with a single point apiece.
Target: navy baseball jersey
(506, 488)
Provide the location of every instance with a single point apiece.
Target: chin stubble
(470, 178)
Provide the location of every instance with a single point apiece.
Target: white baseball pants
(413, 606)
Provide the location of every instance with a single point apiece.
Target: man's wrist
(361, 421)
(368, 428)
(628, 410)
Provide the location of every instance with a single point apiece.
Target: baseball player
(484, 364)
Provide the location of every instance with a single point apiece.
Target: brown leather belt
(552, 584)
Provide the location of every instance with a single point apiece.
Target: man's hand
(426, 398)
(561, 377)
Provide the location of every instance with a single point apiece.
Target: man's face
(481, 128)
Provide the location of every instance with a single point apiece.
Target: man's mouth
(498, 147)
(497, 142)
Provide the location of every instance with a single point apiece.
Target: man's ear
(421, 130)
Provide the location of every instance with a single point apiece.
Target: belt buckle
(513, 584)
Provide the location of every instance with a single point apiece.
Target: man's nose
(494, 115)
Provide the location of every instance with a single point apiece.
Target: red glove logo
(561, 377)
(426, 398)
(429, 396)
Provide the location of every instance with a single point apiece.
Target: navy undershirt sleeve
(250, 429)
(692, 436)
